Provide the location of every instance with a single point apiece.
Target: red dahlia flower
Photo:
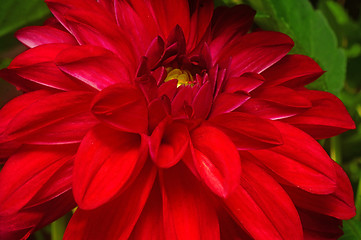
(164, 119)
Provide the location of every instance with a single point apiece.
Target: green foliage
(311, 33)
(352, 230)
(15, 14)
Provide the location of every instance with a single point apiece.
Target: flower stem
(358, 200)
(335, 149)
(58, 228)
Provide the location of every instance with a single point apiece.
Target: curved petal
(34, 36)
(269, 102)
(339, 204)
(122, 106)
(82, 62)
(254, 52)
(21, 224)
(150, 224)
(47, 111)
(216, 159)
(37, 66)
(247, 132)
(228, 23)
(300, 160)
(317, 226)
(66, 131)
(327, 117)
(41, 163)
(264, 210)
(188, 212)
(168, 143)
(115, 219)
(170, 13)
(201, 14)
(105, 161)
(293, 71)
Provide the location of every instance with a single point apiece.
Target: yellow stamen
(183, 77)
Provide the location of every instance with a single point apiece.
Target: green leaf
(352, 230)
(311, 33)
(17, 13)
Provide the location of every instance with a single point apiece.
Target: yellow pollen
(183, 77)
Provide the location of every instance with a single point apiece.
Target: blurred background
(329, 31)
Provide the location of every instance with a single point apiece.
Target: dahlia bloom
(167, 119)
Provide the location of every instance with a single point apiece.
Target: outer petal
(269, 102)
(45, 112)
(188, 212)
(34, 36)
(116, 219)
(293, 71)
(169, 13)
(300, 160)
(34, 166)
(168, 143)
(317, 226)
(122, 106)
(327, 117)
(21, 224)
(82, 62)
(37, 65)
(150, 223)
(262, 207)
(228, 23)
(247, 132)
(66, 131)
(339, 204)
(201, 14)
(104, 163)
(216, 159)
(255, 52)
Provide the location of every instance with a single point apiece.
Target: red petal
(34, 36)
(104, 163)
(21, 224)
(45, 112)
(116, 219)
(188, 212)
(339, 204)
(248, 132)
(327, 117)
(255, 52)
(122, 106)
(300, 160)
(227, 102)
(262, 207)
(102, 31)
(150, 223)
(293, 71)
(34, 166)
(228, 23)
(245, 83)
(168, 143)
(16, 105)
(141, 32)
(169, 13)
(82, 62)
(317, 226)
(216, 159)
(200, 19)
(202, 101)
(37, 65)
(69, 130)
(270, 103)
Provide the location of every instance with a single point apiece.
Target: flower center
(184, 77)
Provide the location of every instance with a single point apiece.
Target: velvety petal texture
(167, 120)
